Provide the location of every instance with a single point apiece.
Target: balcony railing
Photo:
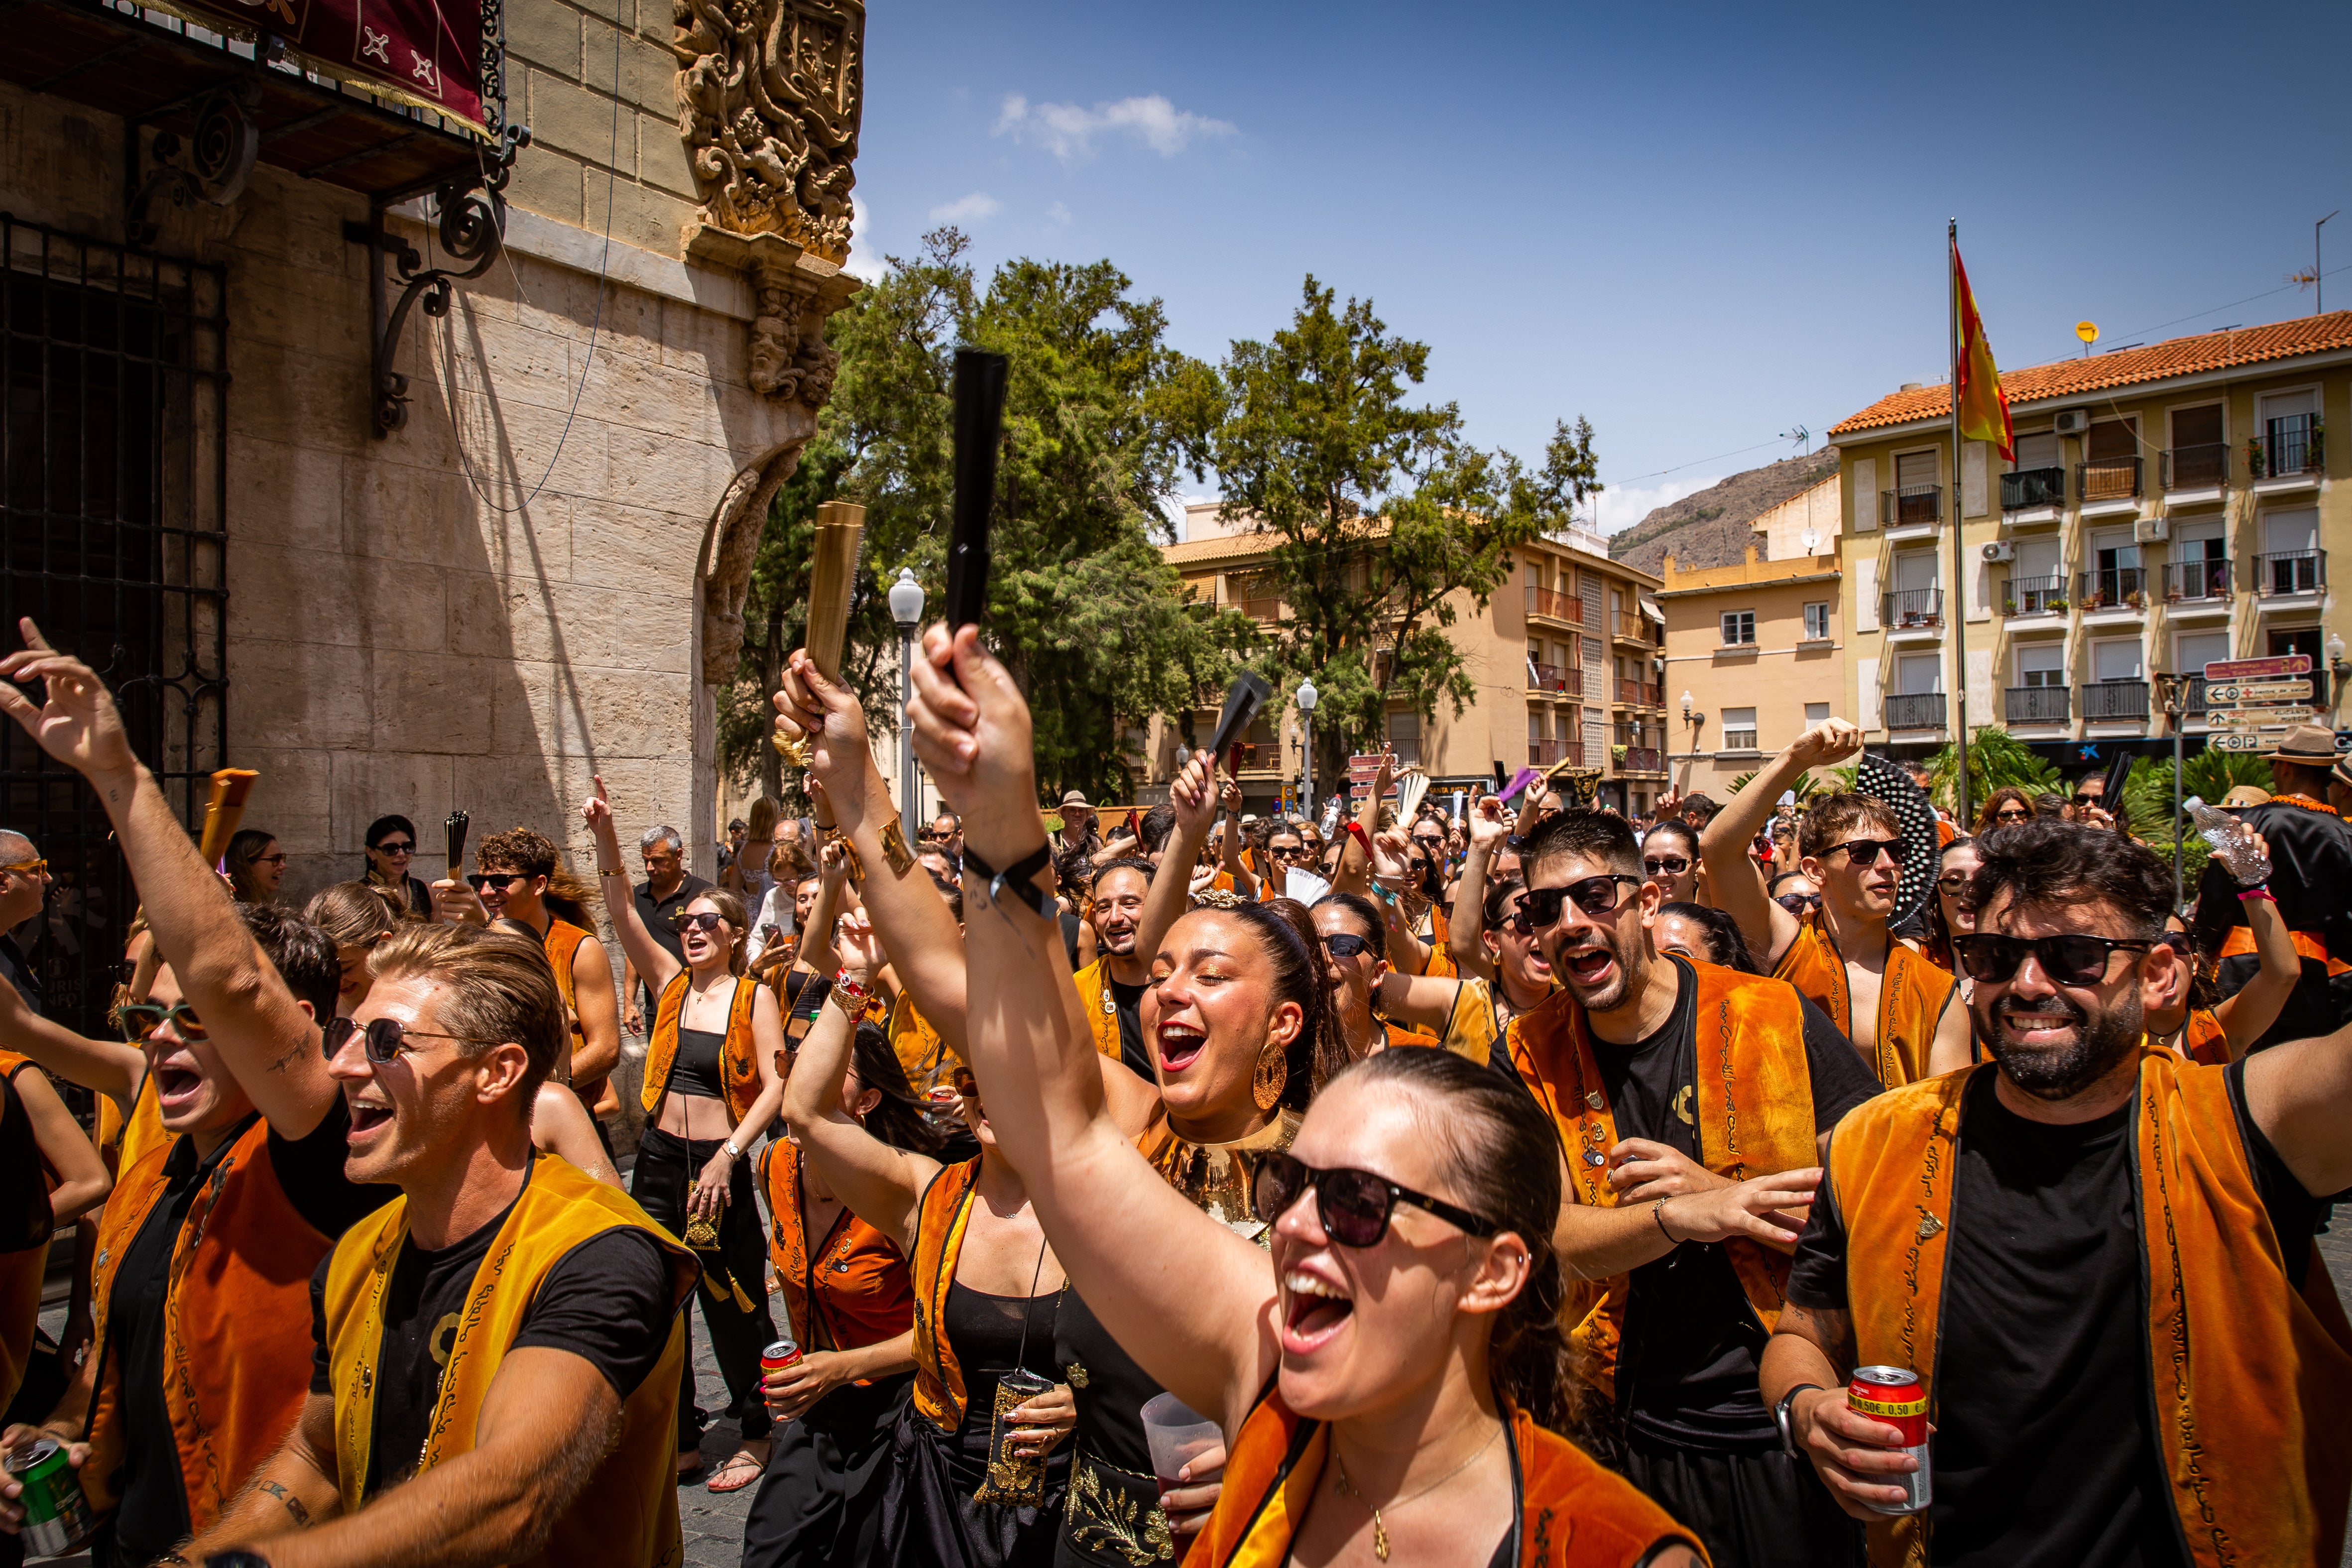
(1558, 605)
(1407, 749)
(2199, 468)
(1642, 760)
(1633, 626)
(2035, 705)
(1556, 678)
(2034, 595)
(1912, 503)
(1546, 754)
(2116, 585)
(1641, 693)
(2107, 479)
(2112, 699)
(1915, 711)
(2188, 582)
(2193, 703)
(1906, 607)
(1261, 609)
(2291, 571)
(2032, 488)
(2292, 445)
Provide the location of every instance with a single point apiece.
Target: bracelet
(856, 864)
(900, 858)
(1020, 877)
(852, 996)
(616, 871)
(1658, 1213)
(2258, 890)
(732, 1153)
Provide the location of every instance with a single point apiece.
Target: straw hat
(2308, 744)
(2248, 795)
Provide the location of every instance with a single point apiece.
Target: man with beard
(1689, 1100)
(515, 869)
(1131, 904)
(1901, 1012)
(2106, 1248)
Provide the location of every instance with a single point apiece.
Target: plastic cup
(1177, 1435)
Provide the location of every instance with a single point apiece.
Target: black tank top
(695, 1071)
(25, 1218)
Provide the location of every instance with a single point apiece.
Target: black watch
(1781, 1414)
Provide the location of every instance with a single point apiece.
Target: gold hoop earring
(1270, 1078)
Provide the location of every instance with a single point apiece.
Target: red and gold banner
(424, 52)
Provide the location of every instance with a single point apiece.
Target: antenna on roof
(2089, 333)
(1802, 437)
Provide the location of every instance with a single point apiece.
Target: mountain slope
(1711, 528)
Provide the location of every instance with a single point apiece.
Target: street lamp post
(1307, 696)
(906, 609)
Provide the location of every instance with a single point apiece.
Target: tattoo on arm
(293, 1504)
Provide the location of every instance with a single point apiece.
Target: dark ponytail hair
(1502, 1161)
(897, 1120)
(1287, 934)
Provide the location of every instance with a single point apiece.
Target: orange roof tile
(2125, 368)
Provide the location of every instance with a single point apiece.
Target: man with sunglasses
(2311, 872)
(1689, 1100)
(513, 870)
(2098, 1258)
(23, 889)
(198, 1289)
(1900, 1011)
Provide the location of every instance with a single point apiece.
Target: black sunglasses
(385, 1038)
(2068, 960)
(1799, 903)
(1864, 852)
(2014, 814)
(1540, 907)
(1952, 881)
(139, 1019)
(2081, 799)
(1289, 851)
(505, 880)
(1353, 1206)
(1346, 944)
(701, 919)
(1667, 865)
(395, 846)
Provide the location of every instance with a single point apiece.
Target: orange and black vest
(2203, 1040)
(1566, 1510)
(25, 1221)
(236, 1321)
(940, 1224)
(923, 1054)
(628, 1512)
(1441, 963)
(853, 1288)
(1911, 996)
(1754, 1105)
(1102, 1007)
(739, 1059)
(561, 944)
(123, 1141)
(2251, 1377)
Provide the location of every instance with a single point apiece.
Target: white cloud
(1068, 130)
(1624, 508)
(864, 251)
(1058, 213)
(966, 209)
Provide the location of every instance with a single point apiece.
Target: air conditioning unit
(2152, 529)
(2001, 550)
(2072, 421)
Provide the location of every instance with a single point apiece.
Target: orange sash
(2240, 943)
(854, 1290)
(939, 1241)
(1912, 996)
(739, 1062)
(922, 1054)
(1755, 1117)
(2251, 1377)
(1567, 1511)
(1102, 1007)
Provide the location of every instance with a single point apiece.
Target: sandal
(689, 1465)
(738, 1470)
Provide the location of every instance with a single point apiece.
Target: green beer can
(55, 1514)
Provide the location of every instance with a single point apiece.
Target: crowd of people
(1519, 1186)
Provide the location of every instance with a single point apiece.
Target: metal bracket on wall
(218, 159)
(472, 230)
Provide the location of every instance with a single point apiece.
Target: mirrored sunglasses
(1353, 1207)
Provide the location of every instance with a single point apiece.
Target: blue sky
(1698, 226)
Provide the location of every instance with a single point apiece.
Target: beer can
(779, 1355)
(1894, 1395)
(56, 1515)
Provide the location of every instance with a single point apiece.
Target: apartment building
(2170, 504)
(1753, 650)
(1565, 661)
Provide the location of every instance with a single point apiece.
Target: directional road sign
(2261, 691)
(2235, 742)
(2258, 718)
(2258, 668)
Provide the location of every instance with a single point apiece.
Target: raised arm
(648, 957)
(881, 1186)
(1165, 901)
(1229, 854)
(268, 1041)
(1392, 875)
(1731, 876)
(812, 947)
(103, 1067)
(2248, 1015)
(563, 1127)
(1195, 1304)
(1487, 832)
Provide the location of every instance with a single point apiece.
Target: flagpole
(1959, 559)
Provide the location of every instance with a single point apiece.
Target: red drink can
(1895, 1396)
(779, 1355)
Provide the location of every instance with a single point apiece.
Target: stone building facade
(536, 577)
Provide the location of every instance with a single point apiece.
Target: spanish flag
(1976, 380)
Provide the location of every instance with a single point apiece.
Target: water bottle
(2227, 837)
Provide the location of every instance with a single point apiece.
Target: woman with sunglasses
(1950, 913)
(1386, 1376)
(711, 1088)
(981, 1476)
(2207, 1028)
(1375, 1007)
(390, 852)
(2005, 807)
(1670, 862)
(257, 865)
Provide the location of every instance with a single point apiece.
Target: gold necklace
(1379, 1526)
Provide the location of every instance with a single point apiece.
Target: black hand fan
(1244, 698)
(1914, 819)
(979, 422)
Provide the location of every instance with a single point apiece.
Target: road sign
(1364, 767)
(2235, 742)
(2259, 692)
(2258, 668)
(2258, 718)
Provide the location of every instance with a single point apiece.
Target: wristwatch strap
(1781, 1418)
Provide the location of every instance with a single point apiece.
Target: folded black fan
(1915, 818)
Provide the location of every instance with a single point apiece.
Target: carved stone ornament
(769, 95)
(792, 293)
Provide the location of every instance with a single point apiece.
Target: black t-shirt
(19, 972)
(2045, 1449)
(153, 1516)
(1129, 1000)
(1686, 1370)
(608, 1301)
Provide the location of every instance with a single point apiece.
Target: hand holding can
(1893, 1396)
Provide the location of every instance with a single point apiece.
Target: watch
(1781, 1414)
